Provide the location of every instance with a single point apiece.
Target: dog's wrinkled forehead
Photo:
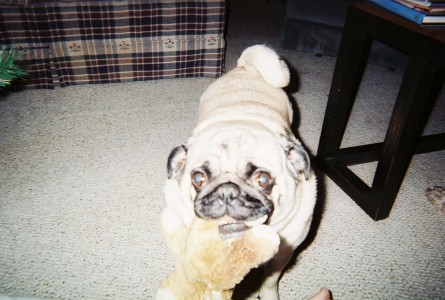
(233, 153)
(232, 150)
(243, 172)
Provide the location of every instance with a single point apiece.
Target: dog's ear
(176, 161)
(298, 160)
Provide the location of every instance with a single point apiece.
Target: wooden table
(423, 79)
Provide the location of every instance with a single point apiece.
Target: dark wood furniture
(421, 85)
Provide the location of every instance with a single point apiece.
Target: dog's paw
(164, 294)
(267, 233)
(170, 221)
(174, 230)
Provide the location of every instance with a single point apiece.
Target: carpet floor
(82, 170)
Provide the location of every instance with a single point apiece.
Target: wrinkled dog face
(242, 197)
(238, 201)
(232, 176)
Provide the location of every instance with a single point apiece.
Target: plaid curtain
(77, 42)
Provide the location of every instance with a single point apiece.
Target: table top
(435, 32)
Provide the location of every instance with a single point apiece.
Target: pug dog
(242, 165)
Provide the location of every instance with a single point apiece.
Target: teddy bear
(209, 265)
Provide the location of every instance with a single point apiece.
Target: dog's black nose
(229, 199)
(228, 192)
(220, 201)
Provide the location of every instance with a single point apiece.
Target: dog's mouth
(231, 228)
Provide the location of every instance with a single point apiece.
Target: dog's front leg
(272, 273)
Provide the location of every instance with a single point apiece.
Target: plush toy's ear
(176, 161)
(298, 160)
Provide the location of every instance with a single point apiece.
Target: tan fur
(209, 267)
(245, 116)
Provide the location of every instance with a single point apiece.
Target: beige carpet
(82, 171)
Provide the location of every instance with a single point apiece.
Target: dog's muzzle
(236, 205)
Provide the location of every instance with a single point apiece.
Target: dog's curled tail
(274, 70)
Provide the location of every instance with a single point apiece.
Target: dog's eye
(263, 179)
(198, 179)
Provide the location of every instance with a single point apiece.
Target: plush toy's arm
(221, 264)
(180, 284)
(206, 263)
